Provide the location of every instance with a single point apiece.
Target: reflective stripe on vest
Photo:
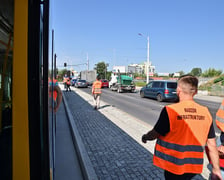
(181, 150)
(97, 87)
(220, 117)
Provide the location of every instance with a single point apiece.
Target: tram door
(6, 46)
(26, 122)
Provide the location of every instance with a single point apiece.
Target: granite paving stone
(113, 153)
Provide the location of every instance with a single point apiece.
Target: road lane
(145, 109)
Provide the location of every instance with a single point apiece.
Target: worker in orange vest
(96, 91)
(220, 140)
(220, 125)
(65, 78)
(55, 92)
(68, 84)
(220, 120)
(182, 131)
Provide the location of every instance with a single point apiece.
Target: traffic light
(65, 64)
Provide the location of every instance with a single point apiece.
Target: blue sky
(184, 34)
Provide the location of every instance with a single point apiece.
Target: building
(135, 68)
(122, 69)
(141, 68)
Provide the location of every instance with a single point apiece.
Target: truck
(121, 83)
(89, 76)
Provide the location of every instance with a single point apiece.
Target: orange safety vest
(97, 87)
(68, 81)
(55, 94)
(181, 150)
(65, 79)
(220, 117)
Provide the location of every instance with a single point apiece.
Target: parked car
(161, 90)
(105, 83)
(81, 83)
(73, 81)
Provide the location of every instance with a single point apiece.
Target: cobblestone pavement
(114, 149)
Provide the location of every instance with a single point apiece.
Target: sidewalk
(66, 159)
(110, 141)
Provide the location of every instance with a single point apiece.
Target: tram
(27, 59)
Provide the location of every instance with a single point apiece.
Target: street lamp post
(147, 64)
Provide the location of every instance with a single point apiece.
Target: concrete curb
(86, 165)
(122, 120)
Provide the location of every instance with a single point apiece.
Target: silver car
(81, 83)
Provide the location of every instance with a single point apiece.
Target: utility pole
(147, 70)
(87, 62)
(87, 66)
(147, 63)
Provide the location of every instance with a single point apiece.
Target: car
(162, 90)
(105, 83)
(81, 83)
(73, 81)
(90, 83)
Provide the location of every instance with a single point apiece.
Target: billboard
(121, 68)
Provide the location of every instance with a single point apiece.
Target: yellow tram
(26, 60)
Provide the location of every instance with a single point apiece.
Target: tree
(171, 74)
(101, 70)
(196, 72)
(61, 73)
(181, 73)
(211, 72)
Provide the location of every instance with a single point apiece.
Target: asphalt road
(146, 109)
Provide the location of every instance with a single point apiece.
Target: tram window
(6, 43)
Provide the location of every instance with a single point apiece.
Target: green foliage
(208, 88)
(221, 78)
(61, 74)
(101, 69)
(196, 72)
(140, 83)
(139, 75)
(181, 73)
(108, 75)
(213, 86)
(211, 72)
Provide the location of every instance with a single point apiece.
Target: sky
(183, 34)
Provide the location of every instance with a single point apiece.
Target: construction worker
(220, 139)
(220, 120)
(96, 91)
(55, 91)
(68, 84)
(65, 78)
(220, 125)
(182, 131)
